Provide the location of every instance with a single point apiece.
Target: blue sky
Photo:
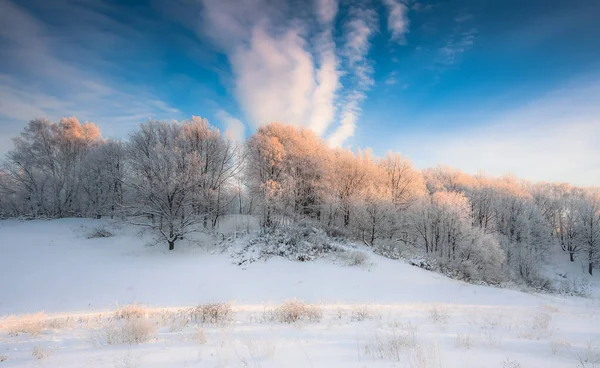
(506, 87)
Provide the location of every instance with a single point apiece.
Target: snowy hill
(52, 266)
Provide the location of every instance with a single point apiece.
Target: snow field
(383, 313)
(361, 335)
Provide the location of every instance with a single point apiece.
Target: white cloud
(554, 138)
(397, 22)
(280, 73)
(327, 79)
(326, 9)
(234, 128)
(274, 77)
(349, 116)
(359, 30)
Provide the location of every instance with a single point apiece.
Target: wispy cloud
(37, 79)
(397, 22)
(359, 30)
(463, 16)
(391, 79)
(421, 7)
(327, 10)
(327, 74)
(451, 52)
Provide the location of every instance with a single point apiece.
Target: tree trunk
(171, 244)
(571, 255)
(373, 234)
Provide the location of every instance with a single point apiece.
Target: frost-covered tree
(163, 174)
(286, 171)
(102, 177)
(443, 227)
(221, 161)
(347, 178)
(46, 164)
(375, 209)
(405, 183)
(264, 173)
(567, 226)
(441, 222)
(589, 226)
(446, 178)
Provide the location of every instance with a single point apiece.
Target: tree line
(181, 177)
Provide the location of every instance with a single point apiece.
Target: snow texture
(385, 313)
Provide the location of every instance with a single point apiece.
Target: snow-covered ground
(412, 317)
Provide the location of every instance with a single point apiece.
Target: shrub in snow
(200, 336)
(32, 324)
(336, 232)
(393, 346)
(212, 313)
(302, 242)
(509, 363)
(541, 321)
(360, 313)
(464, 341)
(558, 344)
(131, 311)
(294, 311)
(590, 356)
(99, 232)
(574, 287)
(124, 331)
(439, 315)
(421, 263)
(352, 257)
(40, 353)
(389, 249)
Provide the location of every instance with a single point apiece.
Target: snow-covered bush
(212, 313)
(99, 232)
(294, 311)
(439, 314)
(131, 311)
(389, 248)
(421, 263)
(337, 232)
(40, 353)
(393, 346)
(32, 324)
(361, 312)
(352, 257)
(124, 331)
(574, 287)
(299, 242)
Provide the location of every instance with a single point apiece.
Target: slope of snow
(51, 266)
